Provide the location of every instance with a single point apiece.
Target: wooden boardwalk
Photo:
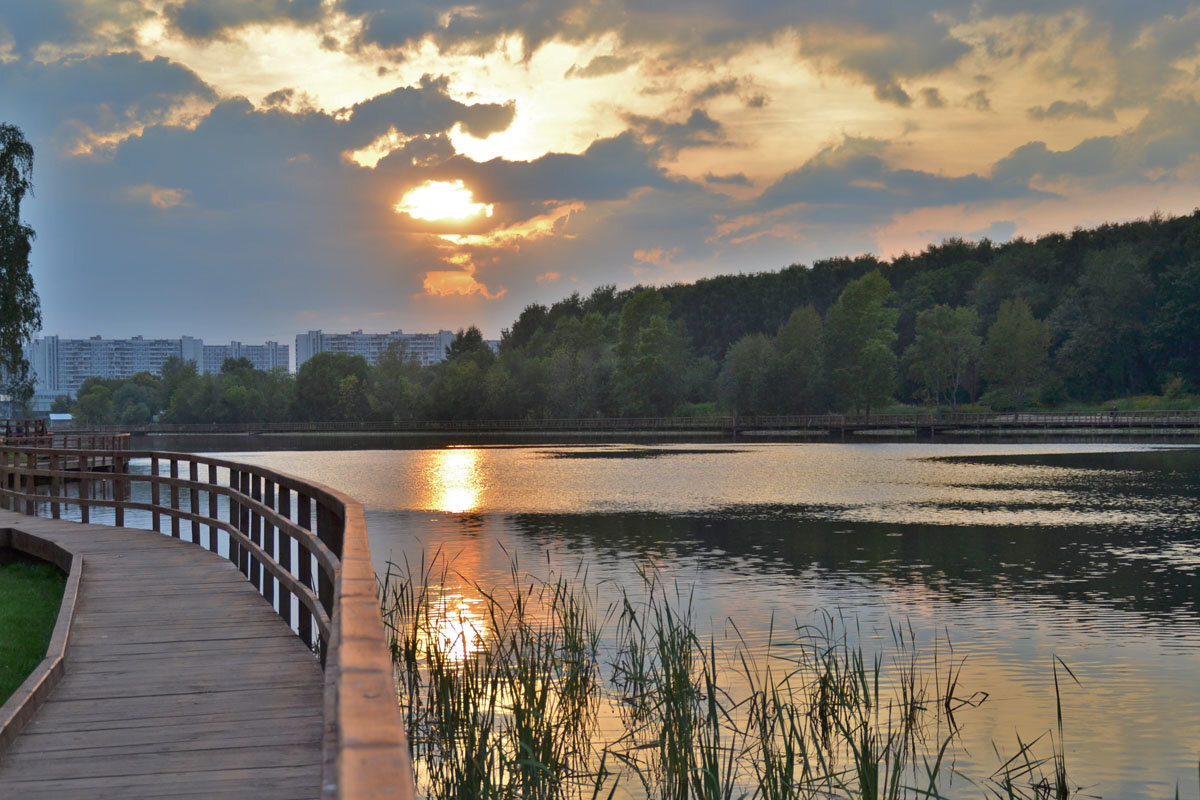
(180, 681)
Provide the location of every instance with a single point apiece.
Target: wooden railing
(302, 545)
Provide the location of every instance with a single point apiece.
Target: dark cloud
(932, 97)
(699, 129)
(1163, 140)
(69, 103)
(978, 100)
(600, 66)
(205, 19)
(35, 22)
(1063, 109)
(854, 178)
(736, 179)
(716, 89)
(423, 109)
(610, 169)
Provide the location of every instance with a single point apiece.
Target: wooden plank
(181, 680)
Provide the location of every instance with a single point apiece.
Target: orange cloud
(158, 196)
(548, 277)
(656, 256)
(446, 282)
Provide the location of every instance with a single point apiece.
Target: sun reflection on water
(454, 480)
(456, 630)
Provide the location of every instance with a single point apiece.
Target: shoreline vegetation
(30, 596)
(538, 689)
(1097, 319)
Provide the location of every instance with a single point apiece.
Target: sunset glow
(449, 162)
(442, 200)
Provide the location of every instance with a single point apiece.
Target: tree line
(1088, 317)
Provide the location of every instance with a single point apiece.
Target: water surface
(1017, 553)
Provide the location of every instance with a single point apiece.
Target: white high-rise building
(429, 348)
(60, 365)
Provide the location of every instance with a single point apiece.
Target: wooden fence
(302, 545)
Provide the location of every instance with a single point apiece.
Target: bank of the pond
(30, 594)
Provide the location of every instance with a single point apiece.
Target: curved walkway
(180, 681)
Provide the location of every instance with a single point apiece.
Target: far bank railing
(814, 422)
(302, 545)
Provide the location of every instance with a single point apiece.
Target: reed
(537, 689)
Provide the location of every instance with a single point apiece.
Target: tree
(856, 344)
(20, 311)
(320, 395)
(1014, 355)
(743, 383)
(945, 347)
(798, 362)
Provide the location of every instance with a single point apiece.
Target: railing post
(235, 549)
(174, 494)
(329, 532)
(255, 529)
(194, 499)
(54, 484)
(212, 507)
(285, 554)
(154, 493)
(268, 542)
(30, 490)
(304, 520)
(244, 521)
(120, 466)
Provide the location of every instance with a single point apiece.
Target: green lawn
(30, 594)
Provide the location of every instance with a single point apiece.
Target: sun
(442, 200)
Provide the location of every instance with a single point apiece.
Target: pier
(235, 649)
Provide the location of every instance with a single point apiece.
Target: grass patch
(537, 689)
(30, 595)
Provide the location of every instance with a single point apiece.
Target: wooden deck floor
(180, 681)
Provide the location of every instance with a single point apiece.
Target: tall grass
(537, 690)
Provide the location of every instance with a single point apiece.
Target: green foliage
(1014, 356)
(742, 385)
(321, 395)
(856, 343)
(20, 311)
(943, 352)
(1070, 319)
(797, 378)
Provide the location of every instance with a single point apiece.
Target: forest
(1108, 316)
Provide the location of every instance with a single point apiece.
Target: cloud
(854, 178)
(158, 196)
(715, 89)
(424, 109)
(599, 67)
(978, 100)
(548, 277)
(699, 129)
(89, 104)
(1063, 109)
(736, 179)
(932, 97)
(452, 282)
(1164, 140)
(205, 19)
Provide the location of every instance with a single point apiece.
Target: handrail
(293, 539)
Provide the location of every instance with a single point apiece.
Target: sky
(251, 169)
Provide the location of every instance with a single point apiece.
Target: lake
(1017, 554)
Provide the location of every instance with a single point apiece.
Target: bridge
(943, 422)
(234, 649)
